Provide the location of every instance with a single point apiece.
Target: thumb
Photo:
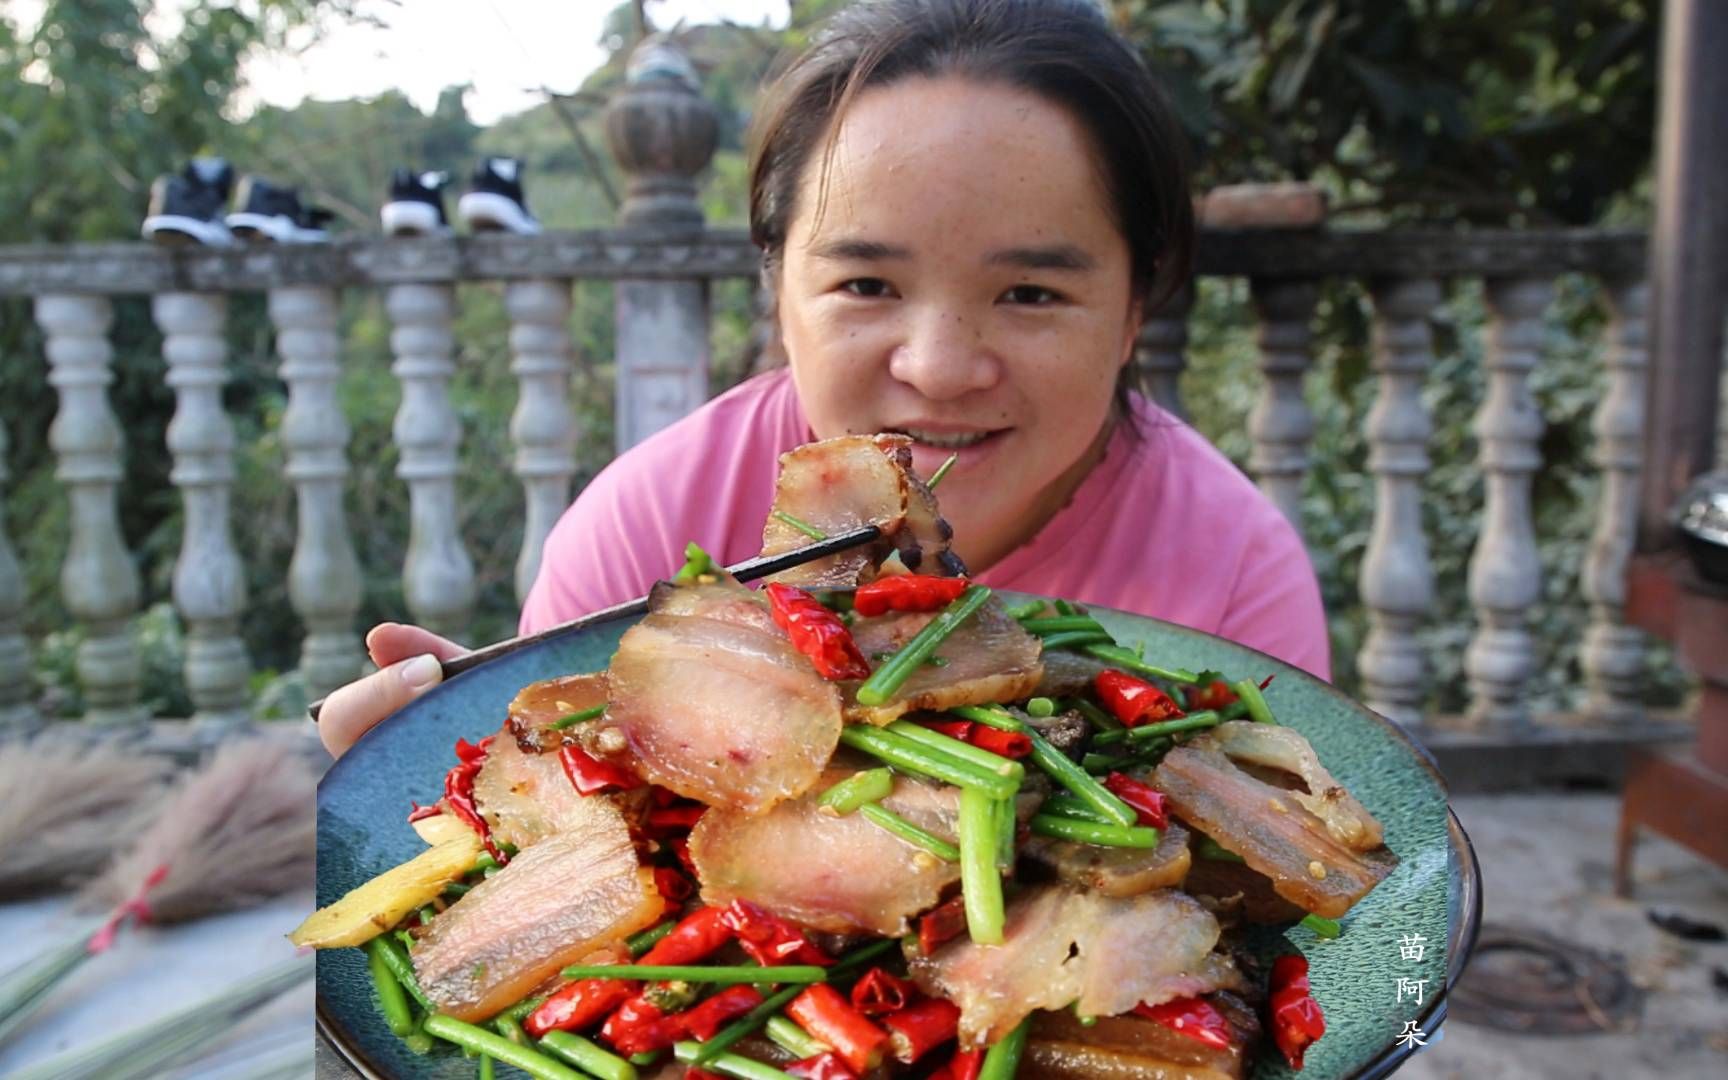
(389, 642)
(354, 709)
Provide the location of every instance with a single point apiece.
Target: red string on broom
(137, 906)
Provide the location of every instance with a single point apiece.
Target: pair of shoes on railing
(188, 209)
(493, 202)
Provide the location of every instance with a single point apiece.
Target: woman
(966, 208)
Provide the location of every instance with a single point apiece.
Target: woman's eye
(1030, 294)
(865, 286)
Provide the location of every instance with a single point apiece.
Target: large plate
(1434, 895)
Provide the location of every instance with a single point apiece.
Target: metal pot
(1702, 518)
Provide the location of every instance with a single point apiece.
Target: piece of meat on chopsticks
(989, 658)
(723, 713)
(1273, 833)
(828, 872)
(1064, 945)
(578, 890)
(843, 483)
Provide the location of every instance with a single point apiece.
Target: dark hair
(1062, 50)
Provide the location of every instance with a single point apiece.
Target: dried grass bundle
(66, 809)
(237, 832)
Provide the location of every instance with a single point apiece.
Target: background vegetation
(1455, 112)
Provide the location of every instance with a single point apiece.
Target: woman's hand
(408, 661)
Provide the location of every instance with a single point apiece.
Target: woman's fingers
(390, 642)
(409, 660)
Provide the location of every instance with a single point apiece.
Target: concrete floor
(1546, 860)
(1547, 864)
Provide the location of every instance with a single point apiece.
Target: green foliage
(1489, 111)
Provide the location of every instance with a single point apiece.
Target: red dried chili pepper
(693, 1073)
(830, 1018)
(459, 792)
(591, 775)
(1194, 1017)
(1296, 1017)
(421, 813)
(696, 937)
(706, 1019)
(680, 846)
(663, 796)
(665, 819)
(1148, 802)
(1214, 695)
(639, 1027)
(672, 885)
(768, 938)
(1010, 744)
(954, 729)
(881, 991)
(817, 633)
(907, 592)
(1134, 701)
(581, 1004)
(944, 923)
(964, 1065)
(826, 1066)
(918, 1029)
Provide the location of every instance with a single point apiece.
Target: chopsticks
(748, 570)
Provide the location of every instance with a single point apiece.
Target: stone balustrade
(660, 263)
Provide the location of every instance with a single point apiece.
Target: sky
(507, 49)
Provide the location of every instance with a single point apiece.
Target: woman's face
(964, 282)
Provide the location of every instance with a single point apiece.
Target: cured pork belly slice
(1114, 871)
(1068, 674)
(578, 890)
(725, 714)
(991, 658)
(1273, 833)
(1064, 945)
(527, 797)
(827, 872)
(723, 599)
(1284, 748)
(840, 484)
(538, 706)
(1060, 1047)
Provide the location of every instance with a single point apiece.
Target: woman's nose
(945, 357)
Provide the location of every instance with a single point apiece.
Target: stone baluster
(17, 713)
(324, 583)
(662, 134)
(1281, 423)
(1613, 653)
(209, 579)
(98, 579)
(1505, 572)
(437, 574)
(542, 427)
(1160, 352)
(1397, 580)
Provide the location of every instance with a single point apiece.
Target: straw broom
(237, 832)
(65, 810)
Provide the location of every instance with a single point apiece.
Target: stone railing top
(650, 254)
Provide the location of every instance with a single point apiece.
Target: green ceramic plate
(1414, 931)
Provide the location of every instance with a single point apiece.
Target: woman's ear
(1131, 330)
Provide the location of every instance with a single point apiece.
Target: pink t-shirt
(1164, 526)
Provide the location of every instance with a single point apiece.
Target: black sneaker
(275, 213)
(187, 208)
(416, 206)
(494, 201)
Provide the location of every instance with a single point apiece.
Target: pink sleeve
(594, 559)
(1274, 602)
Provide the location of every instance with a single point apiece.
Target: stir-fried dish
(866, 821)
